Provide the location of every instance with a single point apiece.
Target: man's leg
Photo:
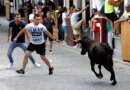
(23, 47)
(110, 36)
(45, 59)
(60, 34)
(25, 61)
(9, 54)
(50, 46)
(117, 28)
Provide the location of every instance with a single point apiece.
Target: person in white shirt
(35, 33)
(77, 24)
(31, 16)
(64, 23)
(124, 17)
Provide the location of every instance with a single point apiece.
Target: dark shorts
(40, 49)
(45, 36)
(112, 16)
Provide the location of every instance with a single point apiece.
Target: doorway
(2, 7)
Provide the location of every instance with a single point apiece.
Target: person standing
(31, 16)
(125, 17)
(35, 33)
(11, 9)
(59, 22)
(14, 28)
(76, 25)
(49, 22)
(110, 12)
(64, 22)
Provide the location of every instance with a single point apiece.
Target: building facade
(93, 4)
(16, 4)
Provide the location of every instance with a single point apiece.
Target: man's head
(39, 4)
(37, 19)
(17, 17)
(127, 7)
(64, 9)
(94, 11)
(48, 14)
(72, 7)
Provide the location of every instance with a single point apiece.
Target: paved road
(72, 72)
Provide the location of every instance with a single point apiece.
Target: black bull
(99, 53)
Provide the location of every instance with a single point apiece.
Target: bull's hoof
(112, 78)
(114, 82)
(99, 76)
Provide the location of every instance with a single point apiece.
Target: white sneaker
(50, 52)
(37, 65)
(10, 66)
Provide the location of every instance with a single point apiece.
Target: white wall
(127, 1)
(93, 3)
(98, 4)
(43, 1)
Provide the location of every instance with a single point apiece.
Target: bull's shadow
(98, 53)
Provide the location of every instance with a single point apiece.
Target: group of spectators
(57, 16)
(113, 21)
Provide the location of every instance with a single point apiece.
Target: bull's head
(84, 46)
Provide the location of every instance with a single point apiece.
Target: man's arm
(19, 34)
(9, 33)
(28, 35)
(49, 34)
(121, 20)
(83, 9)
(116, 4)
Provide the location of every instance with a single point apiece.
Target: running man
(35, 33)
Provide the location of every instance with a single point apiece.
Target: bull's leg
(100, 73)
(93, 69)
(113, 77)
(111, 70)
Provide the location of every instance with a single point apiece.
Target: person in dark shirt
(94, 12)
(14, 28)
(45, 10)
(59, 19)
(49, 22)
(50, 5)
(21, 11)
